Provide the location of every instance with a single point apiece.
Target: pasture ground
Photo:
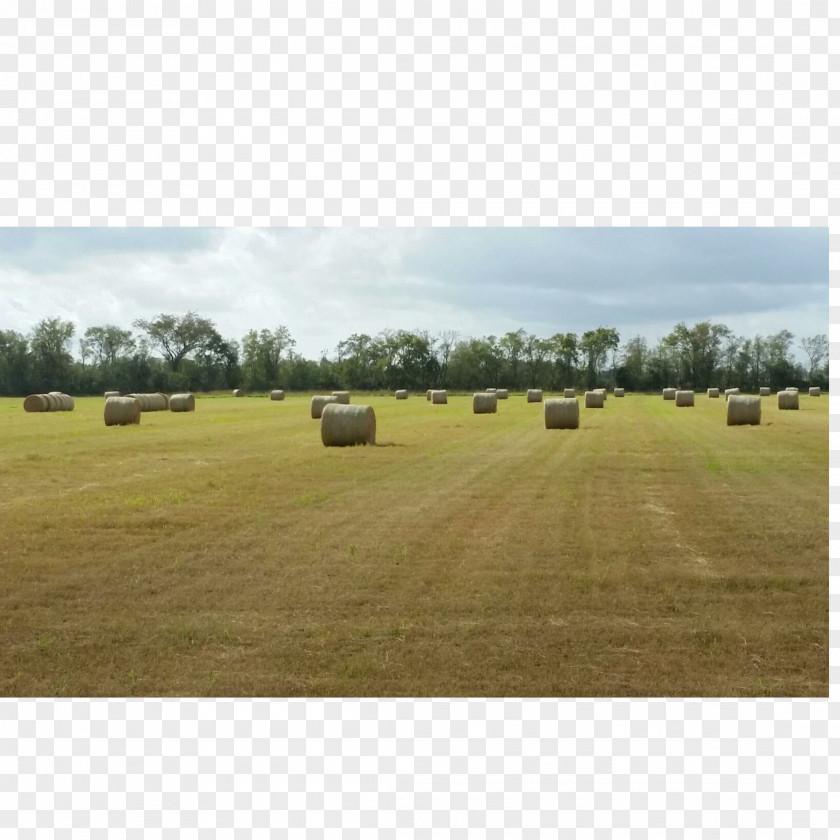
(652, 552)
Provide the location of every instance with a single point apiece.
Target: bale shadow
(390, 443)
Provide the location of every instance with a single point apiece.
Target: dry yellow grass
(230, 553)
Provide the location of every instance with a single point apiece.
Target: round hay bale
(122, 411)
(814, 391)
(71, 403)
(534, 395)
(429, 395)
(788, 400)
(713, 393)
(316, 406)
(342, 397)
(562, 413)
(238, 392)
(62, 399)
(36, 403)
(348, 425)
(618, 392)
(277, 395)
(684, 398)
(593, 399)
(743, 410)
(764, 392)
(490, 390)
(401, 394)
(669, 393)
(484, 403)
(53, 403)
(731, 392)
(182, 402)
(601, 391)
(111, 394)
(165, 398)
(439, 398)
(501, 393)
(792, 388)
(568, 393)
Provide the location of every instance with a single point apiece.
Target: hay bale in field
(165, 398)
(348, 425)
(342, 397)
(669, 393)
(484, 403)
(593, 399)
(792, 388)
(319, 401)
(731, 392)
(814, 391)
(534, 395)
(36, 403)
(568, 393)
(618, 392)
(151, 402)
(439, 398)
(182, 402)
(401, 394)
(111, 394)
(501, 393)
(743, 410)
(63, 401)
(713, 393)
(684, 398)
(764, 392)
(788, 400)
(490, 390)
(562, 413)
(277, 395)
(238, 392)
(429, 395)
(122, 411)
(601, 391)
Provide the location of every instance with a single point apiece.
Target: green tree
(595, 345)
(178, 337)
(262, 353)
(816, 349)
(14, 363)
(512, 345)
(104, 345)
(563, 349)
(697, 351)
(49, 346)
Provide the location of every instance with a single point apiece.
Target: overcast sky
(324, 284)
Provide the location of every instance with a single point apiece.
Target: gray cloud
(326, 283)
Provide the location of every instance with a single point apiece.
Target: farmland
(226, 552)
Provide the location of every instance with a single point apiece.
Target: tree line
(187, 352)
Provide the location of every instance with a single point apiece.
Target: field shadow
(390, 443)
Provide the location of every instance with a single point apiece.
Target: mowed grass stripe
(469, 555)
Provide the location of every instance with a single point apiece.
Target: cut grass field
(652, 552)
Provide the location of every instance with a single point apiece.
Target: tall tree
(513, 345)
(262, 353)
(49, 345)
(14, 363)
(178, 337)
(816, 349)
(595, 345)
(106, 344)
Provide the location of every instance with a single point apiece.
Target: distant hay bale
(501, 393)
(684, 398)
(490, 390)
(593, 399)
(429, 395)
(36, 403)
(788, 400)
(814, 391)
(562, 413)
(792, 388)
(743, 410)
(238, 392)
(731, 392)
(111, 394)
(484, 403)
(151, 402)
(534, 395)
(53, 403)
(122, 411)
(439, 398)
(601, 391)
(401, 394)
(764, 392)
(182, 402)
(618, 392)
(669, 393)
(319, 401)
(348, 425)
(277, 395)
(713, 393)
(342, 397)
(65, 401)
(569, 393)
